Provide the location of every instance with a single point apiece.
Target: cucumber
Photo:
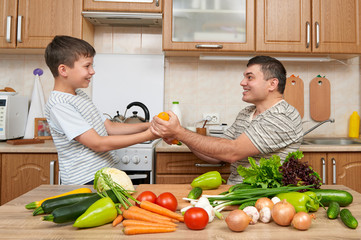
(326, 196)
(195, 193)
(248, 204)
(51, 204)
(333, 210)
(71, 212)
(347, 218)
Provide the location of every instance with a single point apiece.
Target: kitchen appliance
(138, 161)
(134, 118)
(13, 115)
(119, 81)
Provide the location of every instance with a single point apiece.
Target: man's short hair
(66, 50)
(271, 68)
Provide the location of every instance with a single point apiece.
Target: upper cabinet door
(124, 5)
(208, 25)
(336, 26)
(41, 20)
(283, 26)
(8, 16)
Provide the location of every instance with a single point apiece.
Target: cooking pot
(134, 118)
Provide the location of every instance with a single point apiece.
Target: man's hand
(166, 129)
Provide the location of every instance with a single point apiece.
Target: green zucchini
(51, 204)
(71, 212)
(347, 218)
(195, 193)
(333, 210)
(326, 196)
(251, 203)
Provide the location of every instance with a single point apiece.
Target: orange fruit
(164, 116)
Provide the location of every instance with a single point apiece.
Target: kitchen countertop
(46, 147)
(49, 147)
(18, 223)
(164, 147)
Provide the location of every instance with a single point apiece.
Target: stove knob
(125, 159)
(136, 159)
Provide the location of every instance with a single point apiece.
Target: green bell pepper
(99, 213)
(315, 203)
(300, 201)
(208, 180)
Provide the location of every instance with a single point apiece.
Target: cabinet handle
(209, 165)
(323, 171)
(308, 34)
(157, 3)
(19, 29)
(219, 46)
(52, 173)
(333, 171)
(317, 34)
(8, 29)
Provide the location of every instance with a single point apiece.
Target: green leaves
(265, 175)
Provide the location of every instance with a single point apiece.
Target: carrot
(161, 210)
(131, 222)
(127, 214)
(155, 215)
(132, 230)
(117, 220)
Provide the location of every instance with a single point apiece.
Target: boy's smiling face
(79, 75)
(82, 72)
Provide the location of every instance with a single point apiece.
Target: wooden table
(16, 222)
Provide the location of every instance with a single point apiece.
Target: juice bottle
(354, 125)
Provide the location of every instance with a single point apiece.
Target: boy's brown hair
(66, 50)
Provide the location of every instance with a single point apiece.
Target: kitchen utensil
(135, 118)
(294, 93)
(202, 131)
(24, 141)
(320, 99)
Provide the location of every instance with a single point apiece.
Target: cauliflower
(117, 176)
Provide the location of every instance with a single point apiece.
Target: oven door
(140, 177)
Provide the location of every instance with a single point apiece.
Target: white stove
(138, 161)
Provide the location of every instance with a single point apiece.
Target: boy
(82, 136)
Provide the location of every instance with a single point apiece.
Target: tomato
(146, 196)
(167, 200)
(196, 218)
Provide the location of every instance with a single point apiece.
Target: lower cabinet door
(24, 172)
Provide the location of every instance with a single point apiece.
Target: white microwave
(13, 115)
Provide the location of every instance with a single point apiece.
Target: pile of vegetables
(113, 203)
(283, 192)
(270, 173)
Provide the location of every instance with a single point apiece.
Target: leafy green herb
(264, 175)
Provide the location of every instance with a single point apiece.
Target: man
(268, 127)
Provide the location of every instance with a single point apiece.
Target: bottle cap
(175, 102)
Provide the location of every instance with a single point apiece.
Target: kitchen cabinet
(22, 172)
(341, 168)
(183, 167)
(32, 24)
(124, 6)
(305, 26)
(212, 25)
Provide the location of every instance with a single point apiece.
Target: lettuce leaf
(264, 175)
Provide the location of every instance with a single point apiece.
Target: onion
(283, 212)
(238, 220)
(302, 221)
(264, 202)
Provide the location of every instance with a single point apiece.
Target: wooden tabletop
(16, 222)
